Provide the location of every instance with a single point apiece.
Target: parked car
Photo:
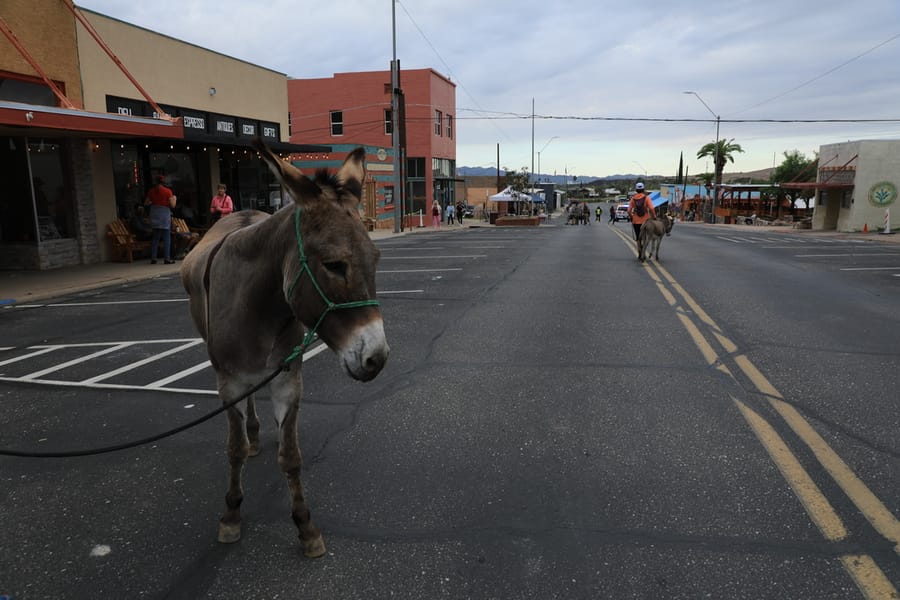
(622, 213)
(469, 211)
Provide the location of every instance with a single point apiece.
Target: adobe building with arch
(857, 182)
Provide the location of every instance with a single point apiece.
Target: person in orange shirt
(640, 208)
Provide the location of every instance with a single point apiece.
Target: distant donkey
(651, 235)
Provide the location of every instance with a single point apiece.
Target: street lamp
(716, 156)
(555, 137)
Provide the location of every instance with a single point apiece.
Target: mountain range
(758, 175)
(556, 179)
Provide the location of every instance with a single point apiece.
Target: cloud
(591, 59)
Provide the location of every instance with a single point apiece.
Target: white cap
(639, 186)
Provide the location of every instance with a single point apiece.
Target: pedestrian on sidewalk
(435, 214)
(161, 201)
(450, 212)
(221, 204)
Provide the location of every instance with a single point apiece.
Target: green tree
(725, 154)
(796, 168)
(517, 180)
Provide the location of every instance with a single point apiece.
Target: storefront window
(37, 198)
(52, 192)
(128, 179)
(250, 183)
(180, 172)
(17, 223)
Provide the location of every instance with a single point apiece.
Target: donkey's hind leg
(238, 448)
(252, 427)
(286, 391)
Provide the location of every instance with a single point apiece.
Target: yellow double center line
(870, 579)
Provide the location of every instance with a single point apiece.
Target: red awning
(32, 120)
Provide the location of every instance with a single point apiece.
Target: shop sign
(199, 124)
(882, 194)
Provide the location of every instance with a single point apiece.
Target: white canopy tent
(510, 195)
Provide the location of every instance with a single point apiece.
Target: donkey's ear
(296, 182)
(352, 173)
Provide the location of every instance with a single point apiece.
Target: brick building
(354, 109)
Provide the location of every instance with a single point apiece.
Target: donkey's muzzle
(367, 352)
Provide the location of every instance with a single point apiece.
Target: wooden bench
(123, 245)
(183, 239)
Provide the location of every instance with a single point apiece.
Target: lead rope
(296, 353)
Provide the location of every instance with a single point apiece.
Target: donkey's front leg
(238, 448)
(286, 404)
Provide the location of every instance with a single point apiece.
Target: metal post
(395, 123)
(716, 173)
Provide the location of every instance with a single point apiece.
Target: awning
(33, 120)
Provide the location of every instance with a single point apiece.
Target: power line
(828, 72)
(519, 116)
(446, 66)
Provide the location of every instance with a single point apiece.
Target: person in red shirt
(221, 204)
(161, 201)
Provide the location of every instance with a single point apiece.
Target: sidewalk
(25, 287)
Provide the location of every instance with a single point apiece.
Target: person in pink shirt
(221, 205)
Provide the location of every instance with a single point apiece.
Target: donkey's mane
(323, 178)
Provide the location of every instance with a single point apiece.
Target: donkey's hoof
(229, 533)
(314, 548)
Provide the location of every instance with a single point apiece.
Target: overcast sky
(606, 76)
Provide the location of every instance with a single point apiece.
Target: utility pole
(395, 124)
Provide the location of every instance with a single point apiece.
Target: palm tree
(725, 154)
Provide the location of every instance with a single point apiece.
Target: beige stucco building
(856, 184)
(74, 161)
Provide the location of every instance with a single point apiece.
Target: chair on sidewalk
(123, 245)
(183, 239)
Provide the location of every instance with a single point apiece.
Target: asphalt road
(555, 421)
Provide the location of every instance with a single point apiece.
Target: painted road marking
(419, 271)
(432, 257)
(846, 254)
(97, 382)
(870, 579)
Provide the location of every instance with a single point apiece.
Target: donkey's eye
(337, 268)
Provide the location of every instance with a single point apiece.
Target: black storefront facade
(215, 148)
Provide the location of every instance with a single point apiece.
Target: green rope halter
(329, 305)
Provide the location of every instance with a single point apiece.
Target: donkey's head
(336, 292)
(669, 222)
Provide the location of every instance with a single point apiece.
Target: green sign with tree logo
(882, 194)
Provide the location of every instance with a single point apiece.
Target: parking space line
(141, 363)
(75, 361)
(43, 350)
(176, 376)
